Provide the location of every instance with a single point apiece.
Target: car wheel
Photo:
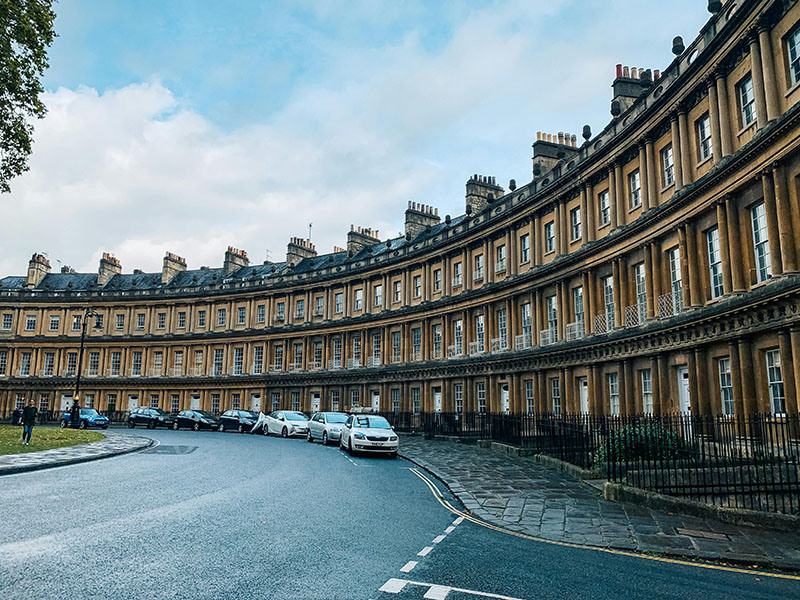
(221, 428)
(324, 438)
(266, 430)
(151, 425)
(285, 432)
(341, 443)
(350, 446)
(241, 428)
(131, 424)
(393, 455)
(105, 426)
(63, 424)
(82, 425)
(196, 427)
(175, 426)
(308, 437)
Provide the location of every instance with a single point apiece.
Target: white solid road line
(409, 566)
(438, 539)
(437, 592)
(425, 551)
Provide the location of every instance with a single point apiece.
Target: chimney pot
(619, 70)
(625, 72)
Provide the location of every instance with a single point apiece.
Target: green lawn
(43, 438)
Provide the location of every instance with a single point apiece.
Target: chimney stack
(109, 266)
(234, 259)
(361, 237)
(173, 264)
(298, 249)
(481, 191)
(38, 268)
(419, 217)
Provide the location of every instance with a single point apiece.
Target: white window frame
(605, 207)
(726, 387)
(703, 128)
(747, 100)
(525, 248)
(777, 392)
(646, 376)
(635, 188)
(555, 395)
(613, 393)
(761, 251)
(550, 237)
(667, 166)
(793, 55)
(575, 221)
(714, 262)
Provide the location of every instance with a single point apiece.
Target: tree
(26, 28)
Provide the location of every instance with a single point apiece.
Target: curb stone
(115, 444)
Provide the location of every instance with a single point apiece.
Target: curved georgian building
(652, 268)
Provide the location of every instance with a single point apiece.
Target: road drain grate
(701, 534)
(172, 450)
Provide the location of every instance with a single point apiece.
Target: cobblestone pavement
(518, 494)
(114, 444)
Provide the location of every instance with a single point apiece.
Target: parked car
(89, 418)
(195, 419)
(326, 426)
(240, 420)
(150, 417)
(286, 423)
(369, 433)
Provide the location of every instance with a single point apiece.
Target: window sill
(708, 158)
(549, 252)
(603, 226)
(792, 89)
(633, 209)
(744, 129)
(525, 262)
(666, 187)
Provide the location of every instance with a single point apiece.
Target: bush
(643, 442)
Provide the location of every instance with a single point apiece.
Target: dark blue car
(89, 418)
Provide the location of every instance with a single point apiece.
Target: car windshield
(248, 414)
(89, 411)
(158, 411)
(371, 422)
(204, 413)
(296, 417)
(336, 417)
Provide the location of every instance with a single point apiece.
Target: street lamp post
(75, 411)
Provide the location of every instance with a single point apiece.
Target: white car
(286, 423)
(369, 433)
(326, 426)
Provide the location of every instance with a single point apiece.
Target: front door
(505, 398)
(683, 389)
(255, 403)
(437, 399)
(376, 400)
(133, 401)
(66, 402)
(195, 404)
(583, 386)
(315, 402)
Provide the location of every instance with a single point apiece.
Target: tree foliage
(27, 32)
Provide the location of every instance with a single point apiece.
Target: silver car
(326, 426)
(369, 433)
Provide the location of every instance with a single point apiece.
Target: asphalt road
(209, 515)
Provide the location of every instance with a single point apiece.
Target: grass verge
(43, 438)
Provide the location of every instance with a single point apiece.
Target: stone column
(584, 215)
(787, 369)
(694, 407)
(590, 213)
(655, 378)
(652, 175)
(536, 242)
(768, 68)
(696, 292)
(685, 284)
(615, 272)
(686, 153)
(643, 176)
(630, 387)
(656, 274)
(726, 135)
(785, 229)
(772, 223)
(737, 274)
(588, 302)
(794, 339)
(713, 117)
(649, 278)
(612, 195)
(701, 403)
(512, 259)
(746, 374)
(596, 399)
(757, 73)
(619, 206)
(677, 165)
(722, 226)
(561, 302)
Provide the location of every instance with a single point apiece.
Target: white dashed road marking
(437, 592)
(458, 521)
(438, 539)
(450, 529)
(425, 551)
(409, 566)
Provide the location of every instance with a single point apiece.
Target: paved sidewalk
(518, 494)
(114, 444)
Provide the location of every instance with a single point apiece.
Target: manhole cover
(701, 534)
(172, 450)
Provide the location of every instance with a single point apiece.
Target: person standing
(28, 420)
(16, 417)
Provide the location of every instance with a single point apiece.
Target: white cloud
(134, 172)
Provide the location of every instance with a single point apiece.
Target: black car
(195, 419)
(240, 420)
(151, 417)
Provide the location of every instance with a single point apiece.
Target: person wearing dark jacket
(16, 417)
(28, 421)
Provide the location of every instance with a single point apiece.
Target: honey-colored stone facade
(654, 268)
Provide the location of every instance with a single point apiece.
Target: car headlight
(393, 438)
(359, 436)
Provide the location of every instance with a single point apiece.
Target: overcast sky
(189, 126)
